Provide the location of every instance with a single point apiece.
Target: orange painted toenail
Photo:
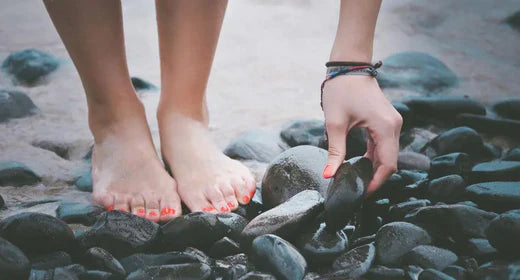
(224, 209)
(208, 209)
(231, 204)
(140, 211)
(110, 208)
(252, 193)
(152, 214)
(172, 211)
(245, 199)
(165, 211)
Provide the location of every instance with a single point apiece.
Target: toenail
(245, 199)
(165, 211)
(152, 214)
(231, 204)
(172, 211)
(110, 208)
(252, 193)
(122, 209)
(140, 211)
(208, 209)
(224, 209)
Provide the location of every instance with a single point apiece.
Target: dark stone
(189, 271)
(503, 233)
(277, 256)
(509, 108)
(495, 171)
(223, 248)
(99, 259)
(255, 275)
(456, 140)
(405, 113)
(30, 66)
(234, 223)
(356, 142)
(458, 221)
(255, 145)
(442, 109)
(514, 20)
(379, 272)
(13, 262)
(448, 189)
(415, 138)
(454, 163)
(497, 270)
(494, 126)
(285, 219)
(345, 192)
(412, 272)
(295, 170)
(84, 181)
(416, 71)
(355, 262)
(427, 256)
(139, 261)
(17, 174)
(410, 177)
(192, 230)
(495, 196)
(512, 155)
(76, 269)
(413, 161)
(51, 260)
(469, 263)
(363, 241)
(60, 149)
(2, 203)
(321, 246)
(64, 274)
(480, 249)
(395, 239)
(15, 104)
(37, 233)
(455, 271)
(120, 233)
(224, 270)
(433, 274)
(140, 84)
(78, 213)
(398, 211)
(200, 255)
(304, 132)
(96, 275)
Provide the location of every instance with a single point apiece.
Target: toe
(250, 185)
(137, 206)
(229, 196)
(170, 208)
(152, 209)
(121, 203)
(215, 196)
(105, 200)
(243, 195)
(196, 202)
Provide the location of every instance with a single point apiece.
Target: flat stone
(277, 256)
(17, 174)
(495, 171)
(433, 274)
(398, 211)
(345, 192)
(448, 189)
(256, 145)
(509, 108)
(304, 132)
(413, 161)
(100, 259)
(450, 164)
(355, 262)
(321, 246)
(84, 181)
(51, 260)
(29, 66)
(13, 262)
(140, 260)
(503, 233)
(491, 125)
(442, 108)
(395, 239)
(495, 196)
(120, 233)
(295, 170)
(189, 271)
(456, 140)
(15, 104)
(427, 256)
(37, 233)
(78, 213)
(141, 84)
(379, 272)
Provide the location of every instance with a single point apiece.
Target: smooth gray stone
(78, 213)
(15, 104)
(448, 189)
(427, 256)
(503, 233)
(140, 260)
(413, 161)
(495, 171)
(13, 262)
(395, 239)
(495, 196)
(450, 164)
(30, 66)
(51, 260)
(190, 271)
(433, 274)
(100, 259)
(17, 174)
(320, 246)
(355, 262)
(256, 145)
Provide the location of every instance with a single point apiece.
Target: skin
(357, 101)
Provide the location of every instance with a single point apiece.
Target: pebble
(84, 181)
(256, 145)
(141, 84)
(15, 104)
(455, 271)
(223, 248)
(503, 233)
(61, 149)
(51, 260)
(405, 112)
(255, 275)
(416, 71)
(17, 174)
(379, 272)
(499, 270)
(195, 271)
(456, 140)
(509, 108)
(197, 229)
(78, 213)
(285, 219)
(413, 161)
(433, 274)
(96, 275)
(140, 260)
(321, 247)
(457, 221)
(448, 189)
(345, 192)
(494, 126)
(453, 163)
(415, 138)
(295, 170)
(495, 171)
(442, 108)
(37, 233)
(481, 250)
(277, 256)
(512, 155)
(13, 262)
(30, 66)
(495, 196)
(398, 211)
(304, 132)
(395, 239)
(355, 262)
(120, 233)
(99, 259)
(234, 223)
(427, 256)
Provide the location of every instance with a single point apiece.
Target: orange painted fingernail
(140, 211)
(224, 209)
(245, 199)
(152, 214)
(208, 209)
(327, 172)
(172, 211)
(110, 208)
(165, 211)
(231, 204)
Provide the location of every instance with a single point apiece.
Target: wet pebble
(379, 272)
(84, 181)
(433, 274)
(495, 196)
(502, 232)
(51, 260)
(427, 256)
(448, 189)
(99, 259)
(15, 104)
(450, 164)
(223, 248)
(495, 171)
(355, 262)
(398, 211)
(456, 140)
(13, 262)
(78, 213)
(256, 145)
(320, 246)
(509, 108)
(456, 272)
(190, 271)
(17, 174)
(490, 125)
(304, 132)
(141, 260)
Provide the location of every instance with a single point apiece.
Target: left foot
(207, 180)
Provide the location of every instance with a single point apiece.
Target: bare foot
(207, 179)
(127, 173)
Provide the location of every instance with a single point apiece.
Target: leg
(126, 171)
(206, 178)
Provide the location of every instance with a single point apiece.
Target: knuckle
(336, 152)
(334, 124)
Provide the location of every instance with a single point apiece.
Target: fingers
(337, 135)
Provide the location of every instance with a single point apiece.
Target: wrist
(351, 54)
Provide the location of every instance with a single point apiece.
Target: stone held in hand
(275, 255)
(345, 192)
(285, 219)
(13, 262)
(17, 174)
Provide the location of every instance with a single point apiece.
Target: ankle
(167, 112)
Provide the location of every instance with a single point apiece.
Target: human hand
(357, 101)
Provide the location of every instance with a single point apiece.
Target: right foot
(127, 173)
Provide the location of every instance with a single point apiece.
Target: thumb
(337, 135)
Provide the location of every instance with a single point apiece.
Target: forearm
(355, 34)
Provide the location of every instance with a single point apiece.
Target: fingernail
(152, 214)
(140, 211)
(224, 209)
(245, 199)
(327, 172)
(110, 208)
(165, 211)
(208, 209)
(231, 204)
(172, 211)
